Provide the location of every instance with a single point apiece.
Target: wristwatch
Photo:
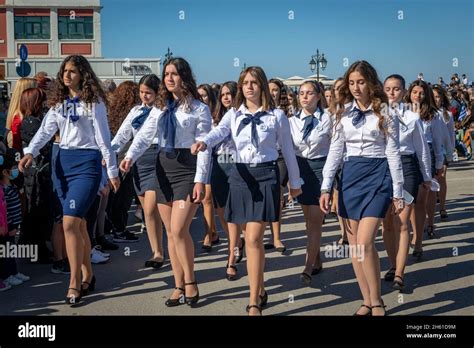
(325, 191)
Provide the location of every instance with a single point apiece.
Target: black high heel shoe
(175, 302)
(90, 287)
(254, 306)
(263, 299)
(191, 300)
(231, 277)
(73, 300)
(368, 314)
(381, 305)
(241, 251)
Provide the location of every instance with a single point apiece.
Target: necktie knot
(140, 119)
(358, 115)
(70, 109)
(255, 121)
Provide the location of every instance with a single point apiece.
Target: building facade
(53, 30)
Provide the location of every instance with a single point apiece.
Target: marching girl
(144, 169)
(179, 120)
(278, 93)
(255, 126)
(293, 106)
(416, 165)
(328, 95)
(211, 238)
(421, 98)
(78, 111)
(343, 224)
(371, 173)
(222, 163)
(443, 105)
(311, 130)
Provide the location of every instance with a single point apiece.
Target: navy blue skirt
(144, 171)
(254, 193)
(221, 167)
(311, 171)
(411, 174)
(56, 206)
(78, 176)
(366, 188)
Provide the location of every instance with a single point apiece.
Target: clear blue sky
(259, 32)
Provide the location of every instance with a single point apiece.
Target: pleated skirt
(144, 171)
(254, 193)
(311, 171)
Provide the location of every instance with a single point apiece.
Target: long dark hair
(90, 87)
(151, 81)
(188, 87)
(376, 93)
(211, 96)
(445, 104)
(221, 109)
(427, 107)
(283, 100)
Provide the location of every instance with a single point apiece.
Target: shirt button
(249, 148)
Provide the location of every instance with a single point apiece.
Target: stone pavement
(442, 283)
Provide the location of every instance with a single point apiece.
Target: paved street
(442, 283)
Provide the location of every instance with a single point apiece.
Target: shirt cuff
(326, 185)
(28, 150)
(398, 191)
(296, 184)
(112, 173)
(201, 177)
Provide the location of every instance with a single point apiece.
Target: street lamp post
(316, 62)
(168, 56)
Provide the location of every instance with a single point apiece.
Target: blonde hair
(21, 85)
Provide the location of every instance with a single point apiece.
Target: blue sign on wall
(23, 52)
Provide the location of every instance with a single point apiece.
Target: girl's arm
(144, 138)
(102, 137)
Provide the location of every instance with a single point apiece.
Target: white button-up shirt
(412, 139)
(317, 143)
(225, 147)
(274, 129)
(90, 131)
(436, 132)
(367, 140)
(126, 131)
(191, 126)
(449, 140)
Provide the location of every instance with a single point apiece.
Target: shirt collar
(354, 105)
(317, 114)
(243, 110)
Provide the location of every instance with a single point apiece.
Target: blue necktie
(140, 119)
(308, 125)
(360, 115)
(167, 126)
(255, 121)
(73, 116)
